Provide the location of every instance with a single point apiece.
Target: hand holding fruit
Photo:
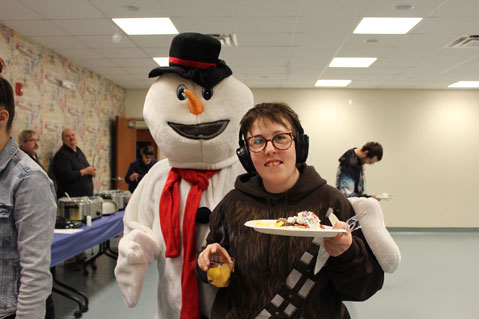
(217, 262)
(219, 274)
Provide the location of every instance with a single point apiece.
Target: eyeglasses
(280, 141)
(33, 140)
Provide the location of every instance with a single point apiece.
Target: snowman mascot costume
(193, 111)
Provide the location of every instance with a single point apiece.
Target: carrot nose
(196, 107)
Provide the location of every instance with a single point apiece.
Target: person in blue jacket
(140, 167)
(28, 208)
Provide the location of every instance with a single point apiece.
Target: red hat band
(192, 64)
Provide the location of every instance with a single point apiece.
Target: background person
(30, 144)
(274, 145)
(140, 167)
(73, 173)
(27, 219)
(350, 175)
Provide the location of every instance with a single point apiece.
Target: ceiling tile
(31, 28)
(109, 71)
(88, 26)
(94, 63)
(457, 8)
(134, 62)
(265, 25)
(63, 9)
(157, 52)
(153, 41)
(60, 42)
(382, 8)
(15, 10)
(282, 43)
(205, 8)
(265, 39)
(121, 52)
(139, 71)
(127, 9)
(104, 41)
(78, 53)
(337, 8)
(456, 26)
(208, 24)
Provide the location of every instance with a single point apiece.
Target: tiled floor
(437, 279)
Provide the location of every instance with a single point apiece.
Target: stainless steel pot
(120, 197)
(73, 208)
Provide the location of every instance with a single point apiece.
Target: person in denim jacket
(27, 219)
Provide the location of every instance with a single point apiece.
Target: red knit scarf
(170, 227)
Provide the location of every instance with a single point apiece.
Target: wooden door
(125, 149)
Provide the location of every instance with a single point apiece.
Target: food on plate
(304, 219)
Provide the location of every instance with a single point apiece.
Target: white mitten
(135, 252)
(371, 219)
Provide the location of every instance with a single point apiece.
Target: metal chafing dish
(95, 209)
(73, 208)
(78, 208)
(120, 197)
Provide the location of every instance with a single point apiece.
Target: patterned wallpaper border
(48, 107)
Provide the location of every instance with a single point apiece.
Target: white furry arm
(138, 247)
(135, 253)
(371, 219)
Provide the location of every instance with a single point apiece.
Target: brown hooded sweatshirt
(263, 261)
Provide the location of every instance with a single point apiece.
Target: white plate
(259, 226)
(384, 196)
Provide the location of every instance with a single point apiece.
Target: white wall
(430, 140)
(134, 99)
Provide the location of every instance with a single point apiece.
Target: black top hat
(194, 56)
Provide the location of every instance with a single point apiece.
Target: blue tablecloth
(65, 246)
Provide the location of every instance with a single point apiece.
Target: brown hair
(374, 149)
(276, 112)
(6, 96)
(25, 135)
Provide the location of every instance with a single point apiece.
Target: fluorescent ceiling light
(332, 83)
(465, 84)
(352, 62)
(162, 61)
(137, 26)
(386, 25)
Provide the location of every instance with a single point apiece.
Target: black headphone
(301, 142)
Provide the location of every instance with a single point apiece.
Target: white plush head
(204, 141)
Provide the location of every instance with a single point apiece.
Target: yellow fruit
(219, 276)
(214, 273)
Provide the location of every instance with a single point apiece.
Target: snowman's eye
(180, 93)
(207, 93)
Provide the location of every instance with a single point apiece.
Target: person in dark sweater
(280, 184)
(140, 167)
(350, 175)
(73, 174)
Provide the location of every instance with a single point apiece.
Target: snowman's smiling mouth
(202, 131)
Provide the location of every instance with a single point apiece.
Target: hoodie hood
(309, 181)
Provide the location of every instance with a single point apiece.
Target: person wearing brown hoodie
(274, 276)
